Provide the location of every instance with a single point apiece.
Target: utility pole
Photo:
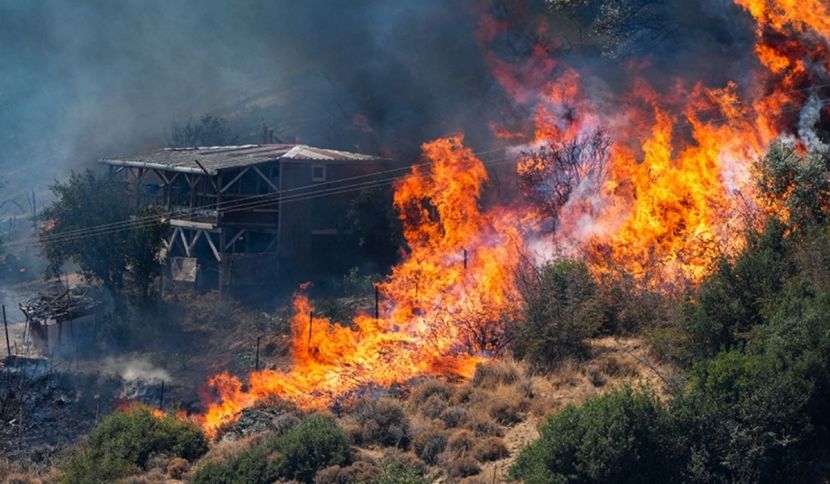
(310, 323)
(6, 326)
(257, 352)
(377, 307)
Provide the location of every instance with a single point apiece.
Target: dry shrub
(21, 478)
(359, 471)
(455, 417)
(567, 374)
(492, 375)
(434, 406)
(483, 425)
(429, 444)
(508, 409)
(429, 388)
(461, 442)
(463, 467)
(382, 422)
(154, 476)
(490, 449)
(227, 448)
(177, 468)
(283, 423)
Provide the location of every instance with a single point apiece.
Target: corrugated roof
(217, 158)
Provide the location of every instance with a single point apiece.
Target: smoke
(85, 79)
(134, 369)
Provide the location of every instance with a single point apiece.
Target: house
(245, 216)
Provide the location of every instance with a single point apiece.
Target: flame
(670, 200)
(459, 271)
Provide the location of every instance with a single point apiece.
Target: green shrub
(621, 436)
(124, 442)
(562, 308)
(249, 467)
(315, 443)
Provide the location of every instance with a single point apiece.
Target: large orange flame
(459, 272)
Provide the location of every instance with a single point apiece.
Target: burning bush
(125, 441)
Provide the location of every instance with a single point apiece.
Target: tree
(94, 224)
(622, 27)
(207, 131)
(795, 186)
(549, 175)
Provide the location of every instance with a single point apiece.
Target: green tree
(797, 184)
(621, 436)
(93, 223)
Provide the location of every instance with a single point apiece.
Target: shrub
(483, 426)
(125, 441)
(315, 443)
(507, 411)
(463, 467)
(360, 471)
(434, 406)
(429, 444)
(282, 424)
(421, 393)
(491, 448)
(382, 422)
(455, 417)
(621, 436)
(562, 309)
(461, 442)
(249, 467)
(400, 471)
(491, 375)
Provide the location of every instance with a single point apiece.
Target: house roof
(218, 158)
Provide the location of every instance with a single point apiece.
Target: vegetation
(753, 343)
(207, 131)
(315, 443)
(115, 258)
(124, 442)
(249, 467)
(561, 310)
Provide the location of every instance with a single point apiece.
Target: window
(318, 173)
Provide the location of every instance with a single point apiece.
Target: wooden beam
(184, 243)
(270, 184)
(234, 239)
(234, 180)
(213, 248)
